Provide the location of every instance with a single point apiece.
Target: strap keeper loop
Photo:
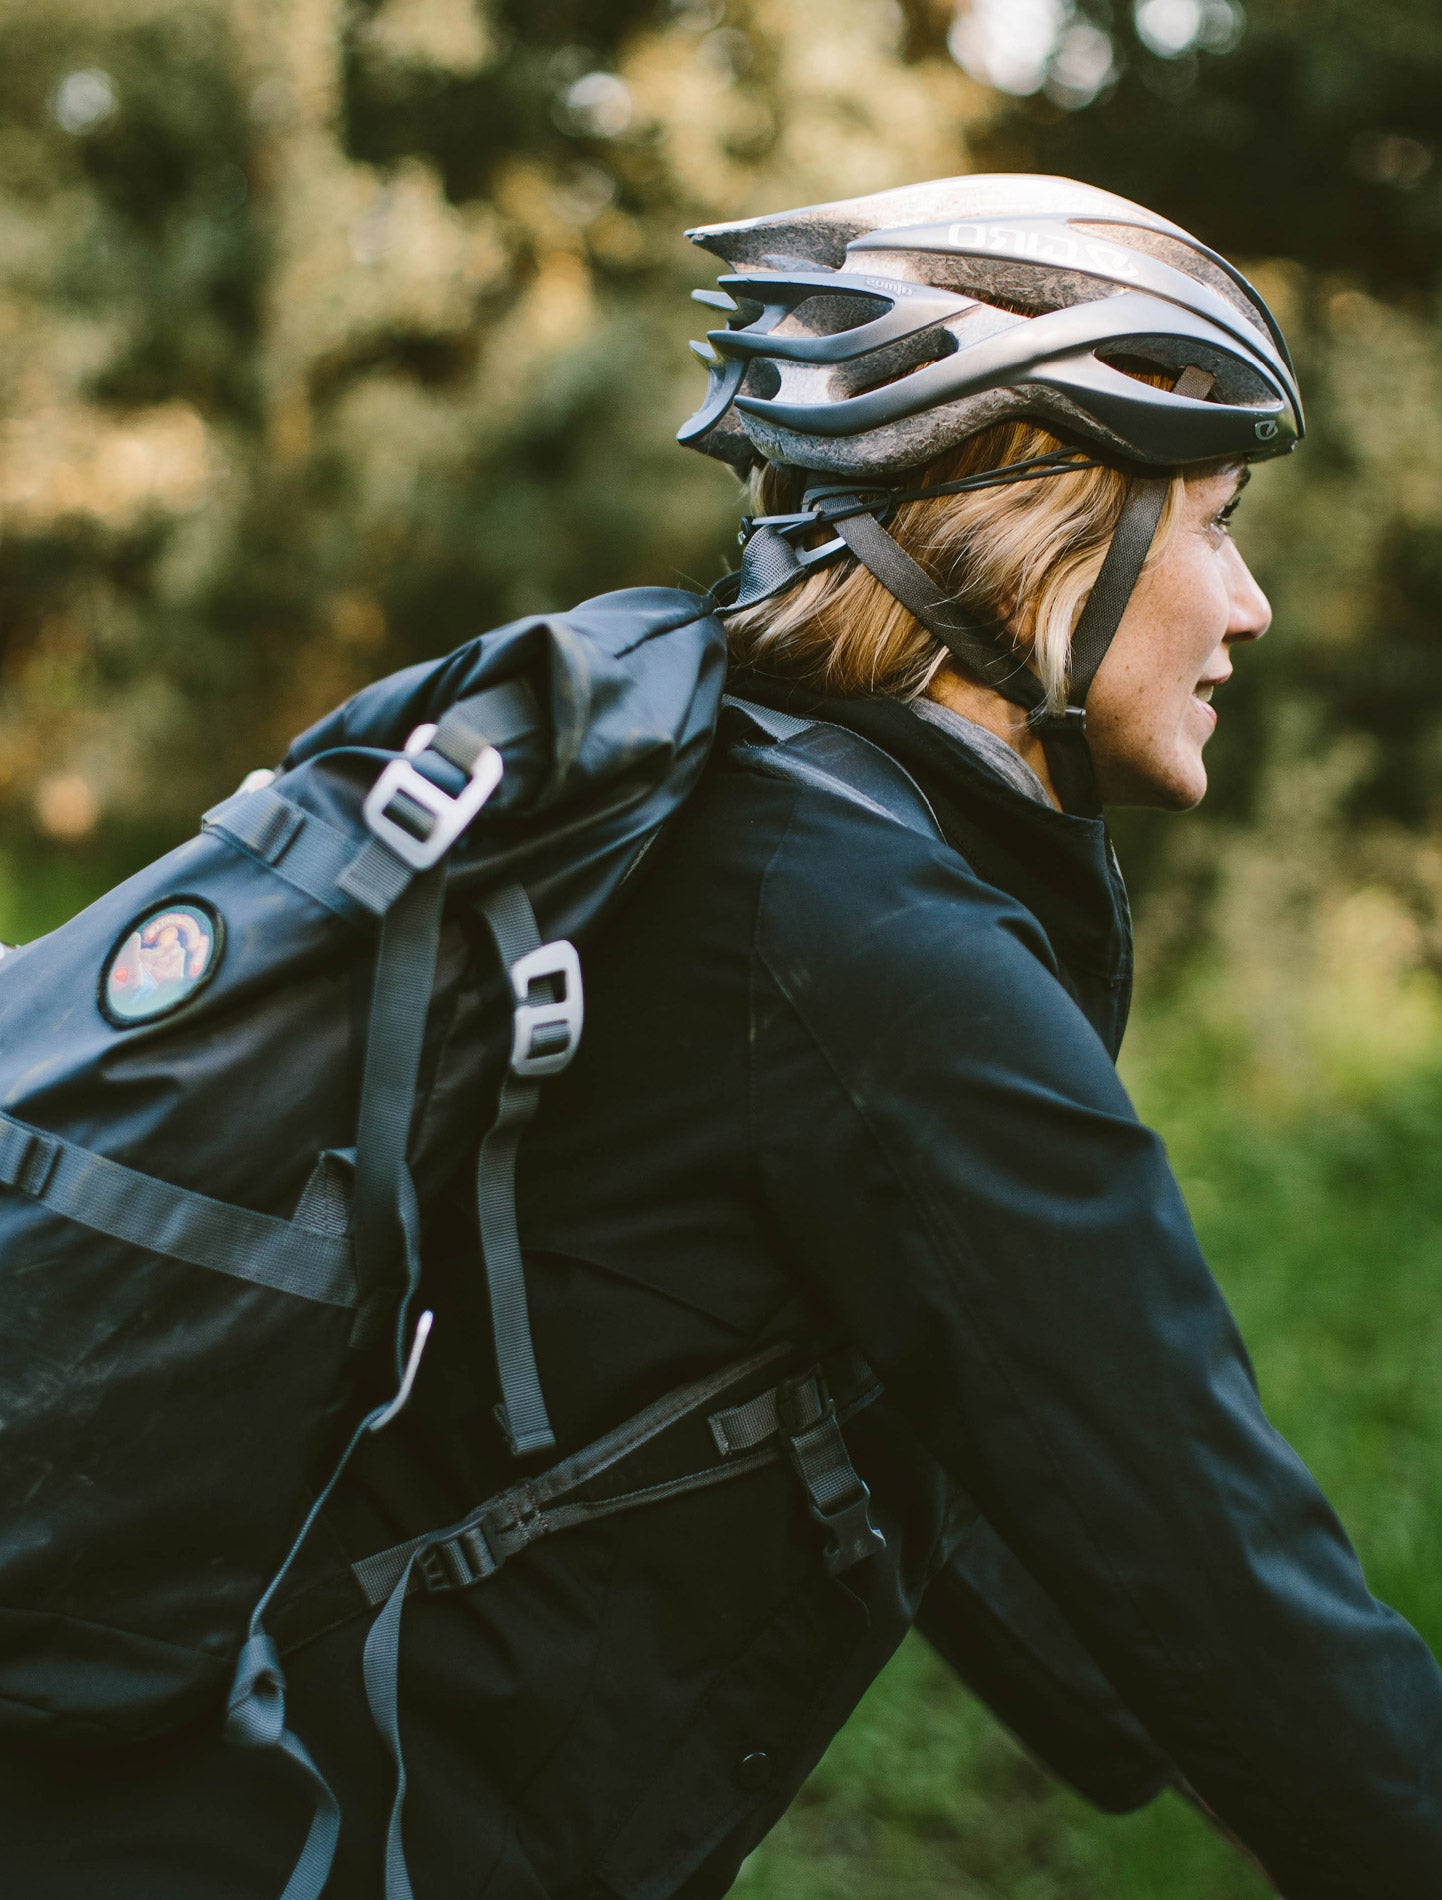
(27, 1158)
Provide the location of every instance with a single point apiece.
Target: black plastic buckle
(816, 1445)
(458, 1562)
(1070, 723)
(851, 1535)
(837, 504)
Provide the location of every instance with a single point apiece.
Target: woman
(846, 1078)
(845, 1111)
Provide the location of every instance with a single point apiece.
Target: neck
(985, 708)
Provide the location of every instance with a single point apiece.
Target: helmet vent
(829, 313)
(870, 334)
(762, 379)
(1190, 259)
(1027, 289)
(897, 360)
(1160, 375)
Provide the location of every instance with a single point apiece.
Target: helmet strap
(1063, 735)
(975, 648)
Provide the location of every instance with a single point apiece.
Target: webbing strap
(742, 1427)
(523, 1415)
(1132, 538)
(256, 1719)
(387, 1256)
(748, 1436)
(387, 1243)
(779, 726)
(325, 862)
(476, 1547)
(839, 1500)
(531, 1506)
(495, 717)
(112, 1199)
(313, 856)
(386, 1219)
(256, 1716)
(1125, 558)
(907, 581)
(381, 1668)
(769, 565)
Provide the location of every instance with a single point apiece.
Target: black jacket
(829, 1058)
(838, 1077)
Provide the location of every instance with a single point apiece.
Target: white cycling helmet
(865, 337)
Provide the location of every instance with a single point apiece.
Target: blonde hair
(1025, 555)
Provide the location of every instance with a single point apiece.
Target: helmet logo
(1265, 431)
(1054, 246)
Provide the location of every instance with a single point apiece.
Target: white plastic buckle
(531, 1020)
(449, 815)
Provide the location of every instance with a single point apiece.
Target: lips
(1202, 695)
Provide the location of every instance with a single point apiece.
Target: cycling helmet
(865, 337)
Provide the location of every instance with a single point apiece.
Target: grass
(1323, 1221)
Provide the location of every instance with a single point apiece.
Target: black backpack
(228, 1089)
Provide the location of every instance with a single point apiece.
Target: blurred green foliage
(334, 331)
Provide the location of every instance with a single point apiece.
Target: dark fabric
(178, 1364)
(834, 1075)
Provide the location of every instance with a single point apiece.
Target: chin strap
(773, 560)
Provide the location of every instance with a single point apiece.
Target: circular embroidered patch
(164, 959)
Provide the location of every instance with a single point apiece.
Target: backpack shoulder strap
(817, 752)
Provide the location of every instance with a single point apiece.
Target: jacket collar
(1061, 867)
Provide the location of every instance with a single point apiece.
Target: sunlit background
(331, 334)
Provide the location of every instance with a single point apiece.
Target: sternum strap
(797, 1419)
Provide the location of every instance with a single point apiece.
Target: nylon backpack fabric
(189, 1327)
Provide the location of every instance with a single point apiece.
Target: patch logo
(165, 958)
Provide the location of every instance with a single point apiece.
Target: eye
(1222, 519)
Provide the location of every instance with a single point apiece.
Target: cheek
(1190, 624)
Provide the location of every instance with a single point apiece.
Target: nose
(1249, 612)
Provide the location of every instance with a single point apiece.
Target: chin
(1181, 789)
(1177, 784)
